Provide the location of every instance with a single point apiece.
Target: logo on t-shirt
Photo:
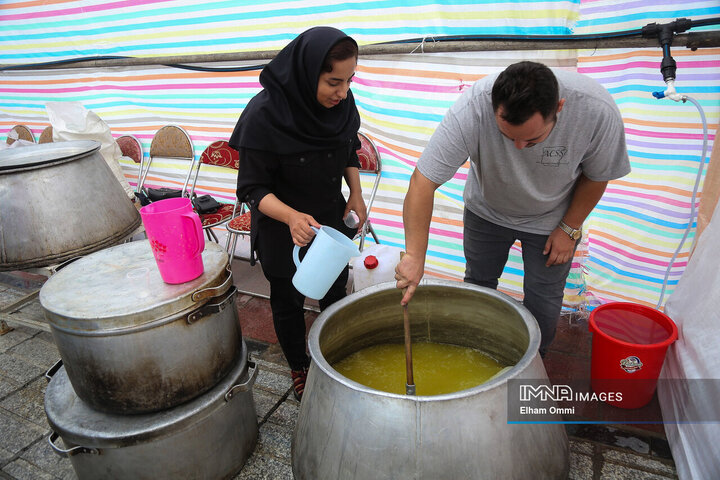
(553, 156)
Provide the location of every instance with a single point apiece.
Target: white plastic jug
(376, 264)
(329, 253)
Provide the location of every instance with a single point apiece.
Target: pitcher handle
(197, 230)
(296, 256)
(296, 250)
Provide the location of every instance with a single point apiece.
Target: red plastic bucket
(628, 349)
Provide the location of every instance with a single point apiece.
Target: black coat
(310, 183)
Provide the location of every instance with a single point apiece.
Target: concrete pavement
(26, 352)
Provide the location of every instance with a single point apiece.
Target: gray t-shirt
(529, 189)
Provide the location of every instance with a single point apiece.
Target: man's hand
(408, 273)
(417, 214)
(559, 248)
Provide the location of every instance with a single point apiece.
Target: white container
(375, 265)
(351, 219)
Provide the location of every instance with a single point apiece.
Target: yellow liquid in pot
(438, 368)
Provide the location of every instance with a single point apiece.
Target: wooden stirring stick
(410, 382)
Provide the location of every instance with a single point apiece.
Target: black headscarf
(285, 117)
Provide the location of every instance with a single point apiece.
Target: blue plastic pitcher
(329, 253)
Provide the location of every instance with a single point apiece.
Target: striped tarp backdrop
(401, 99)
(47, 30)
(638, 227)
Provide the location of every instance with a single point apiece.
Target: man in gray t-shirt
(542, 146)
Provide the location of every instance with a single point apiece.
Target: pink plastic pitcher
(176, 238)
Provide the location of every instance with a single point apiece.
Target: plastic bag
(72, 121)
(688, 389)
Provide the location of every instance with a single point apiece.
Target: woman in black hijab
(297, 139)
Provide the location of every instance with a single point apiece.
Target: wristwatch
(572, 233)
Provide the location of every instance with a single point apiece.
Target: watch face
(572, 233)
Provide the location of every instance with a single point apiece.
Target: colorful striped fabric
(401, 99)
(636, 229)
(39, 30)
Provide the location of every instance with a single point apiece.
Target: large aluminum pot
(207, 438)
(59, 201)
(350, 431)
(132, 343)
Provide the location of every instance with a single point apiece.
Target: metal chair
(47, 135)
(219, 154)
(171, 142)
(131, 147)
(239, 225)
(370, 163)
(19, 132)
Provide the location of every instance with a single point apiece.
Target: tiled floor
(569, 360)
(597, 451)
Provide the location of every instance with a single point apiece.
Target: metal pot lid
(121, 288)
(75, 421)
(45, 153)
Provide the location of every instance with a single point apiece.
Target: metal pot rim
(46, 154)
(98, 293)
(496, 382)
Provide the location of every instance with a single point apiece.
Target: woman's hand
(300, 230)
(298, 222)
(355, 202)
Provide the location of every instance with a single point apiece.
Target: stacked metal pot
(59, 201)
(155, 380)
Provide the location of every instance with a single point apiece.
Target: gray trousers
(487, 247)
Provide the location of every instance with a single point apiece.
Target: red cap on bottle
(370, 262)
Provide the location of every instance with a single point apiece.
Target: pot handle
(214, 291)
(53, 370)
(56, 268)
(212, 308)
(66, 453)
(245, 386)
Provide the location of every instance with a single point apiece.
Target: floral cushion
(221, 215)
(130, 147)
(240, 224)
(367, 154)
(222, 154)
